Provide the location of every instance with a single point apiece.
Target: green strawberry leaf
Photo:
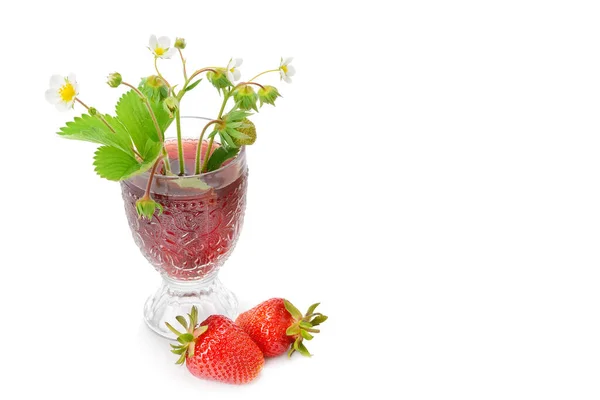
(135, 118)
(91, 129)
(219, 156)
(115, 165)
(151, 151)
(193, 85)
(292, 310)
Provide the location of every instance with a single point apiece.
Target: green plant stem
(99, 115)
(185, 78)
(212, 139)
(179, 143)
(179, 96)
(160, 75)
(206, 157)
(248, 83)
(189, 80)
(150, 179)
(196, 73)
(199, 148)
(262, 73)
(225, 98)
(161, 137)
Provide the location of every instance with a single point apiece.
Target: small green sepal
(171, 104)
(312, 308)
(292, 310)
(292, 330)
(187, 338)
(303, 350)
(303, 327)
(146, 207)
(154, 88)
(319, 319)
(305, 334)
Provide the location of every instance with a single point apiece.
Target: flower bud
(114, 79)
(180, 43)
(146, 207)
(171, 105)
(268, 94)
(154, 81)
(245, 97)
(92, 111)
(154, 88)
(219, 78)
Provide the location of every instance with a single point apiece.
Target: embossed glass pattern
(194, 235)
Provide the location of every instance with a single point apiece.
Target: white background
(431, 176)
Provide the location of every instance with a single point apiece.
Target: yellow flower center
(67, 92)
(232, 70)
(284, 69)
(159, 51)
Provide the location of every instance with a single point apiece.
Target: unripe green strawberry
(248, 129)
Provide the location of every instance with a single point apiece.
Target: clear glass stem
(175, 298)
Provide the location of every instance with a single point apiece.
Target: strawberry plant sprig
(133, 140)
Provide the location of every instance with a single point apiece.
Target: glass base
(175, 298)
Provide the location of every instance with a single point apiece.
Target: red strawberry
(276, 325)
(217, 349)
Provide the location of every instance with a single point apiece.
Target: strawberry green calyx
(146, 207)
(303, 327)
(154, 88)
(187, 338)
(268, 94)
(218, 78)
(245, 97)
(235, 129)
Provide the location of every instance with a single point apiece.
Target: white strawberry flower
(233, 73)
(161, 47)
(286, 71)
(63, 91)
